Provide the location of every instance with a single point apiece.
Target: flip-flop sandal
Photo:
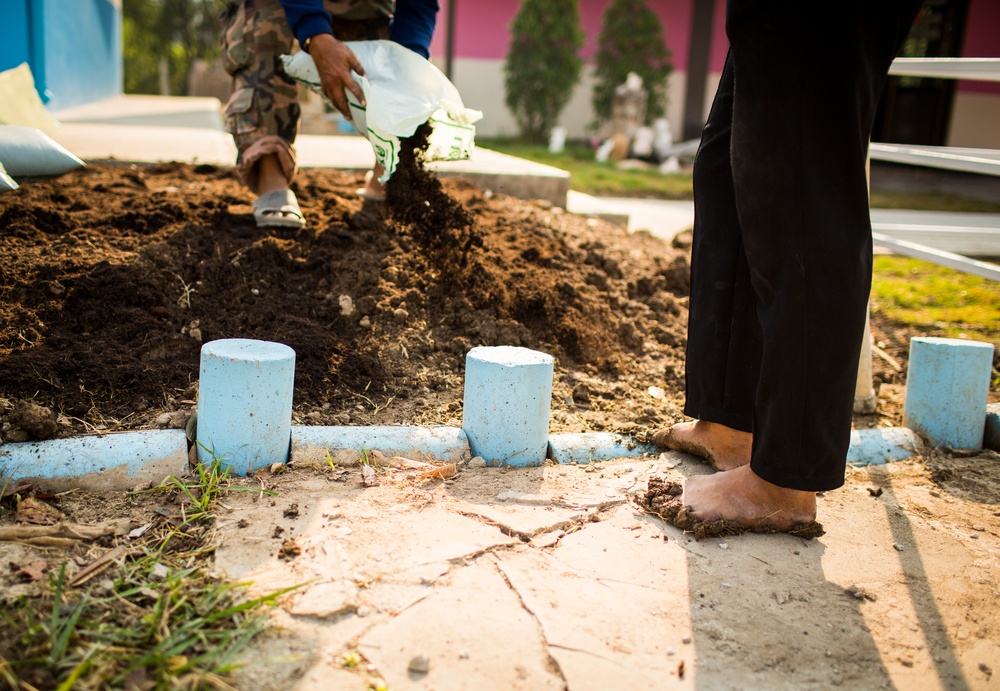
(278, 209)
(663, 499)
(365, 194)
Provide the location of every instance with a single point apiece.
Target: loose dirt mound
(111, 278)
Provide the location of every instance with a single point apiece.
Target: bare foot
(723, 447)
(733, 502)
(743, 497)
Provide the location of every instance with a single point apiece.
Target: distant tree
(542, 64)
(174, 32)
(631, 40)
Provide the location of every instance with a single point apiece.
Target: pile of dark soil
(111, 278)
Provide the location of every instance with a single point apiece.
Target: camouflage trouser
(263, 112)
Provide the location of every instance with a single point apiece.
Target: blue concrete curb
(879, 446)
(345, 444)
(587, 447)
(109, 461)
(124, 459)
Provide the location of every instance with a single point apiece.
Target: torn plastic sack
(402, 91)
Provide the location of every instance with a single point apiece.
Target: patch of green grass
(591, 177)
(935, 299)
(184, 628)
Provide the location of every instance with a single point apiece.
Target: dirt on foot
(663, 500)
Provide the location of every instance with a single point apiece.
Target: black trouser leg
(724, 343)
(803, 80)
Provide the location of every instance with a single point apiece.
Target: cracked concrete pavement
(551, 578)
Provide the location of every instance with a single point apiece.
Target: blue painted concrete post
(946, 390)
(245, 403)
(508, 395)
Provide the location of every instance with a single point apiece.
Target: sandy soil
(112, 277)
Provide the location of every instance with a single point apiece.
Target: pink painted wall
(982, 40)
(482, 29)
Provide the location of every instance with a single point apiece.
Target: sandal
(365, 194)
(278, 209)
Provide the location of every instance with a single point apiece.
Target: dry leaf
(275, 467)
(35, 571)
(443, 470)
(37, 512)
(368, 476)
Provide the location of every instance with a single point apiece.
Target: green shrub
(542, 64)
(171, 32)
(631, 40)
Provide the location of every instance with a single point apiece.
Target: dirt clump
(36, 421)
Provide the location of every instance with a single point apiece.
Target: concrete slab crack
(568, 525)
(550, 663)
(585, 652)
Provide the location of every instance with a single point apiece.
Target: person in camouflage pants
(263, 112)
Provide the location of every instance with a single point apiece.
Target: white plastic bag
(402, 91)
(28, 152)
(6, 181)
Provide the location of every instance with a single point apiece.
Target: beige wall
(481, 83)
(975, 121)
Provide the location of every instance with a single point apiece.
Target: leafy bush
(542, 64)
(174, 32)
(631, 40)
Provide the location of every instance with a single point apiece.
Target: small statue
(628, 107)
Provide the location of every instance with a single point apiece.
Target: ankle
(727, 438)
(786, 498)
(270, 176)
